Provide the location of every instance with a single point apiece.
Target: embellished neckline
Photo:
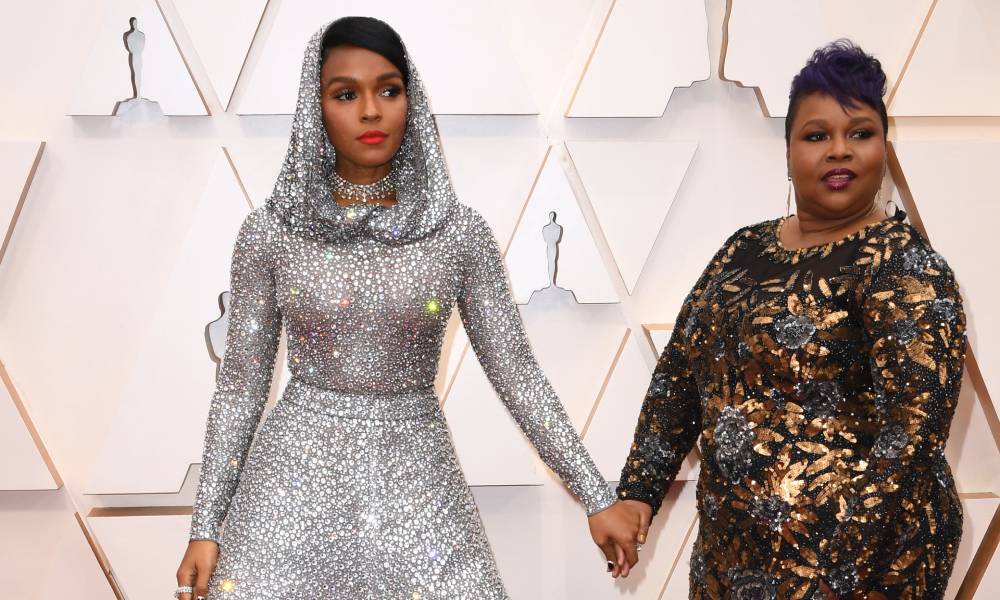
(777, 251)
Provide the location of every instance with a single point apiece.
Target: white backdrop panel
(44, 553)
(221, 55)
(144, 570)
(972, 451)
(23, 467)
(153, 437)
(102, 225)
(758, 56)
(579, 258)
(16, 160)
(955, 70)
(625, 179)
(465, 29)
(661, 44)
(105, 78)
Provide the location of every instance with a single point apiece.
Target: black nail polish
(611, 566)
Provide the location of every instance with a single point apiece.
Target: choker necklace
(363, 192)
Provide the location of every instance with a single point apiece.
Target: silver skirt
(354, 497)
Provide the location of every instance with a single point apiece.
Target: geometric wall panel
(221, 55)
(580, 266)
(990, 581)
(494, 175)
(143, 549)
(656, 170)
(972, 451)
(757, 57)
(626, 52)
(161, 73)
(157, 431)
(44, 554)
(978, 511)
(609, 433)
(490, 447)
(82, 277)
(954, 190)
(657, 334)
(26, 464)
(257, 162)
(566, 336)
(471, 28)
(955, 70)
(18, 161)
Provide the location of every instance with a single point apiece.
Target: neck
(809, 224)
(359, 174)
(363, 185)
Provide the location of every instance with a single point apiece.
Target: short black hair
(368, 33)
(843, 70)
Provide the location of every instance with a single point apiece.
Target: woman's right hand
(196, 567)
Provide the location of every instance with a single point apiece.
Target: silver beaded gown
(351, 489)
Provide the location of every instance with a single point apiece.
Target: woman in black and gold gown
(818, 358)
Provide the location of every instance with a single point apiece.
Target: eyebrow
(352, 81)
(821, 122)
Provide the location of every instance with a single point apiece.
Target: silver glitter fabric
(351, 489)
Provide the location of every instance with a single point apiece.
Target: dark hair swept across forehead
(843, 70)
(368, 33)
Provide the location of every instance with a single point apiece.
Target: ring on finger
(183, 589)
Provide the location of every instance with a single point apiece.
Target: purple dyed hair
(843, 70)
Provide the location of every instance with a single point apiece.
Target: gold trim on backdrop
(722, 62)
(909, 56)
(684, 544)
(604, 385)
(981, 560)
(649, 328)
(102, 560)
(590, 57)
(239, 178)
(30, 426)
(184, 58)
(20, 201)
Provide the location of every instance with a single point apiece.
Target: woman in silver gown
(351, 489)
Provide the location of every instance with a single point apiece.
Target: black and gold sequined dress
(821, 382)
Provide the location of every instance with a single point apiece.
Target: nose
(839, 149)
(370, 112)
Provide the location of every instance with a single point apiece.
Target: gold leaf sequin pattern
(351, 489)
(821, 383)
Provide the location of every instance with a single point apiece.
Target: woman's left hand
(617, 530)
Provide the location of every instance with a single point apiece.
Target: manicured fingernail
(611, 566)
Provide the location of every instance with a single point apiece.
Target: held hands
(196, 568)
(619, 530)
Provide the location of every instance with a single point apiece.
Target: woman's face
(836, 157)
(364, 106)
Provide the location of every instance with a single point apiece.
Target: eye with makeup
(348, 94)
(859, 134)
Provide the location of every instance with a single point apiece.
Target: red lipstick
(838, 179)
(373, 136)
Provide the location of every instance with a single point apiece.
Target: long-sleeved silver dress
(351, 489)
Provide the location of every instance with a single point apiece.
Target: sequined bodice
(368, 316)
(821, 383)
(365, 314)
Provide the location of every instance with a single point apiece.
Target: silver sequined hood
(302, 196)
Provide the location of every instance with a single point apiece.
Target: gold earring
(788, 200)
